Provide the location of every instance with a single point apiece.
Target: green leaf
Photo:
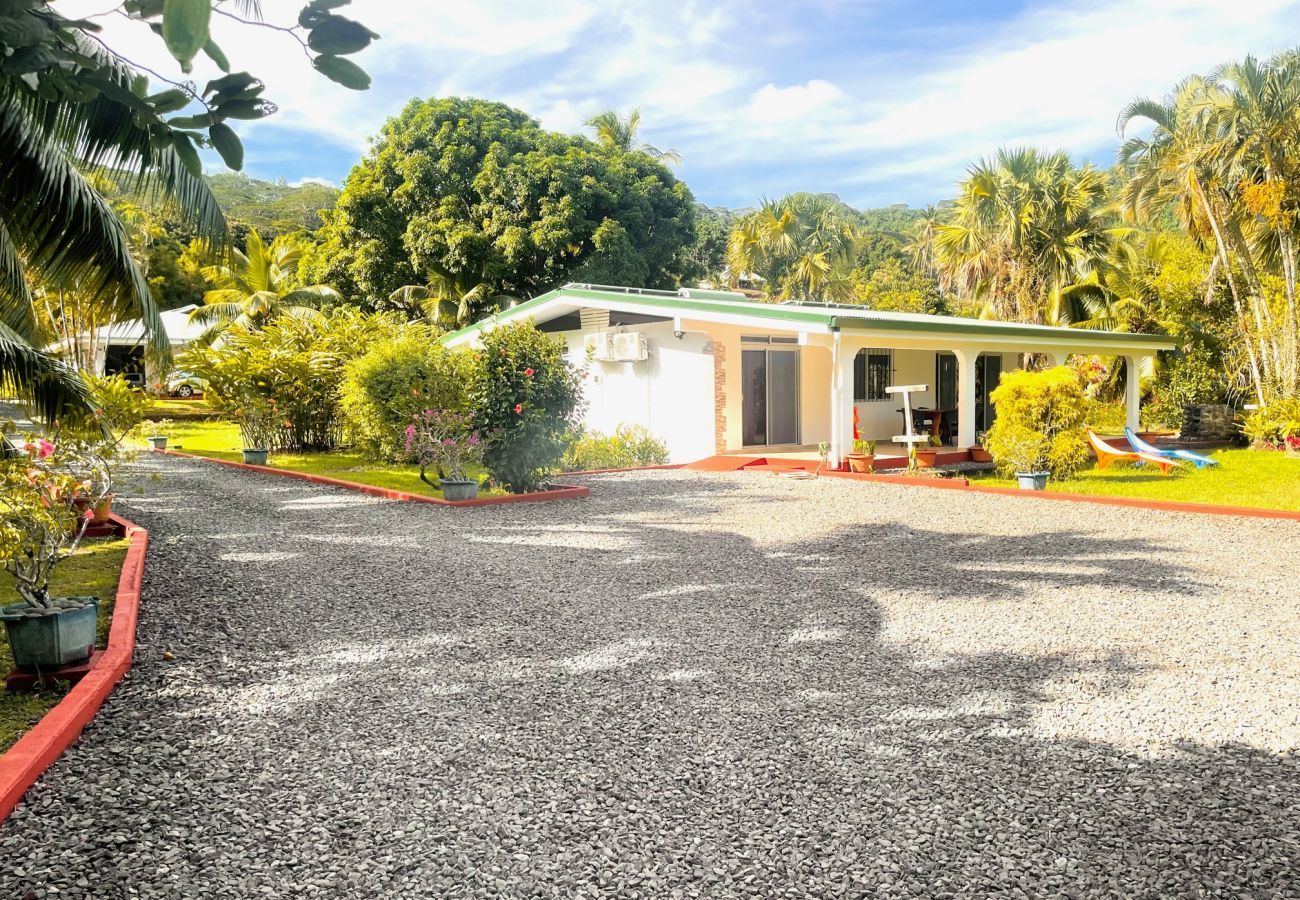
(185, 28)
(342, 71)
(337, 35)
(202, 120)
(318, 11)
(235, 81)
(189, 156)
(227, 143)
(246, 109)
(214, 53)
(169, 101)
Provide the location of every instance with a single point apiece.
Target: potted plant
(928, 456)
(445, 441)
(39, 528)
(980, 453)
(1025, 454)
(256, 417)
(863, 457)
(157, 433)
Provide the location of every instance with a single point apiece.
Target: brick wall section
(719, 397)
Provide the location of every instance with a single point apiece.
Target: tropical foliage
(800, 246)
(69, 104)
(1040, 423)
(472, 192)
(628, 446)
(257, 285)
(620, 133)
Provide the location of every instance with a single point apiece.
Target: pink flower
(46, 449)
(519, 407)
(410, 431)
(89, 514)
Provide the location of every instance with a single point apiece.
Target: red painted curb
(962, 484)
(36, 750)
(559, 492)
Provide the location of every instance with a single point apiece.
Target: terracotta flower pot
(980, 455)
(926, 459)
(103, 509)
(861, 462)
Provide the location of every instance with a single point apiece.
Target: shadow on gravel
(653, 708)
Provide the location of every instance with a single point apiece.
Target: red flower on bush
(528, 373)
(519, 407)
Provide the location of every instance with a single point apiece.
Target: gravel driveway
(685, 686)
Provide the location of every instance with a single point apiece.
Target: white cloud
(758, 97)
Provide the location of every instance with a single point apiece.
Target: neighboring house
(712, 372)
(119, 348)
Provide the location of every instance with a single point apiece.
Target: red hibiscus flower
(528, 373)
(519, 407)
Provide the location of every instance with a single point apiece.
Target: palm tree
(1182, 165)
(1025, 226)
(802, 245)
(58, 232)
(255, 286)
(449, 301)
(618, 133)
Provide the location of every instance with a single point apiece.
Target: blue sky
(878, 101)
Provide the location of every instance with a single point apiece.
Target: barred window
(871, 372)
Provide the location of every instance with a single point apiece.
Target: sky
(877, 101)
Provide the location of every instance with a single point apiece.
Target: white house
(120, 348)
(712, 372)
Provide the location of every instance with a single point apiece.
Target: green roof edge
(806, 315)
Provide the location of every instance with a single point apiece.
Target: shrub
(1271, 426)
(293, 366)
(628, 446)
(397, 379)
(445, 441)
(1040, 422)
(523, 398)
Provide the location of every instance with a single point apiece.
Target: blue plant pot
(1032, 481)
(457, 489)
(52, 638)
(255, 457)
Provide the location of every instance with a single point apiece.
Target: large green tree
(478, 193)
(802, 246)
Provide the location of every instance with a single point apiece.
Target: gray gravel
(685, 686)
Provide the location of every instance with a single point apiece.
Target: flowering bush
(445, 441)
(41, 521)
(524, 397)
(1273, 425)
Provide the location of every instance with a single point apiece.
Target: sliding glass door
(770, 397)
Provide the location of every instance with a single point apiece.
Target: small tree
(1040, 423)
(524, 398)
(400, 377)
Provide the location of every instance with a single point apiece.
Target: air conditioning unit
(631, 346)
(599, 346)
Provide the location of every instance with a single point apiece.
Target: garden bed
(218, 442)
(112, 569)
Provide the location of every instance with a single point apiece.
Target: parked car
(183, 385)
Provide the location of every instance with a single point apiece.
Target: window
(871, 373)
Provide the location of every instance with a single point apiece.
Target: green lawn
(1261, 478)
(177, 409)
(220, 440)
(93, 571)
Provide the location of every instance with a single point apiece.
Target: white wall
(670, 393)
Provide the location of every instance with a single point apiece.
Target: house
(712, 372)
(119, 349)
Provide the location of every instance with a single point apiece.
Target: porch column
(966, 363)
(1133, 391)
(841, 399)
(1055, 359)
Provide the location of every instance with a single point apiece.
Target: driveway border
(558, 492)
(37, 750)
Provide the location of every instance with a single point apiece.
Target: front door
(769, 397)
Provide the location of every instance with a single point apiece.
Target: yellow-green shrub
(1040, 423)
(400, 377)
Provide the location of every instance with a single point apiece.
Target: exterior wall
(671, 393)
